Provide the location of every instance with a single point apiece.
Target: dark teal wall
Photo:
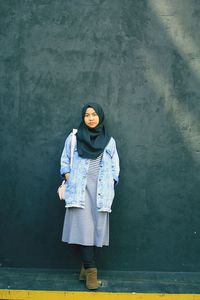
(140, 60)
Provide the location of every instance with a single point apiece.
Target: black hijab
(92, 141)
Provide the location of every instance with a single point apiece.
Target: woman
(89, 188)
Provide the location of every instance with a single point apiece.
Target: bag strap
(73, 143)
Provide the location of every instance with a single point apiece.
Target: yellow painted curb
(54, 295)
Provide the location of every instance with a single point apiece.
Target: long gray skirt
(86, 226)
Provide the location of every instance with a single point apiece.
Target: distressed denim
(76, 185)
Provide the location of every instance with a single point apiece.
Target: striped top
(94, 166)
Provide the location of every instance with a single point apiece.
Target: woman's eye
(87, 116)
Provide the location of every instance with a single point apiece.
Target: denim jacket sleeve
(115, 164)
(65, 157)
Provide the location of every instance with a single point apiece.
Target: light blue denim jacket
(76, 185)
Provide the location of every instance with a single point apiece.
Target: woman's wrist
(67, 176)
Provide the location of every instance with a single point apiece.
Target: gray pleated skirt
(86, 226)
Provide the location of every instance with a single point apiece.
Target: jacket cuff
(104, 210)
(116, 180)
(64, 170)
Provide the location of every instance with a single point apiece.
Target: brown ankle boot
(82, 275)
(91, 279)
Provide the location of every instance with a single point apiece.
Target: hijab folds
(92, 141)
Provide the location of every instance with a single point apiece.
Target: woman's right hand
(67, 176)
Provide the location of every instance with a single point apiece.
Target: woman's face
(91, 118)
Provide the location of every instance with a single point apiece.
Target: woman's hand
(67, 176)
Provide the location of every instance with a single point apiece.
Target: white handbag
(62, 187)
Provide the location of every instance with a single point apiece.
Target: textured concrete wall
(138, 58)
